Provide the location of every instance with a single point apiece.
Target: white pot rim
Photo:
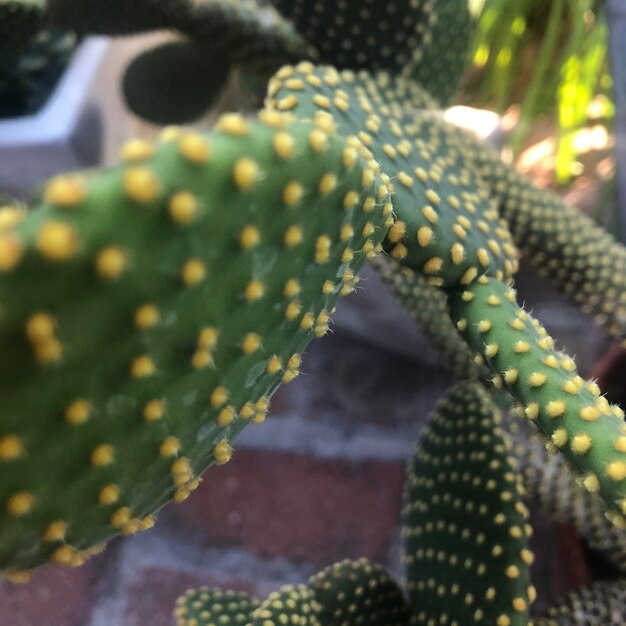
(55, 119)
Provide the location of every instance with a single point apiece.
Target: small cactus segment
(153, 344)
(291, 604)
(174, 83)
(465, 526)
(205, 606)
(447, 226)
(569, 410)
(359, 592)
(357, 35)
(444, 57)
(19, 22)
(549, 483)
(428, 306)
(566, 246)
(601, 604)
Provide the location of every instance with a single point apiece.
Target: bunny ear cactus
(602, 603)
(549, 483)
(246, 32)
(465, 526)
(346, 593)
(357, 35)
(444, 57)
(359, 592)
(151, 346)
(174, 83)
(447, 226)
(569, 410)
(205, 606)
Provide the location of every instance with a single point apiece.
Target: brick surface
(296, 507)
(54, 597)
(151, 600)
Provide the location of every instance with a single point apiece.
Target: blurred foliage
(546, 57)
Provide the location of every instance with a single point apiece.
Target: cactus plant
(466, 549)
(181, 354)
(162, 302)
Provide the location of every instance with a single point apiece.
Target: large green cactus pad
(569, 410)
(447, 227)
(174, 83)
(363, 35)
(444, 58)
(154, 308)
(465, 525)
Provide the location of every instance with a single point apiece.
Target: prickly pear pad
(448, 226)
(465, 525)
(569, 410)
(204, 606)
(357, 35)
(359, 592)
(291, 604)
(148, 312)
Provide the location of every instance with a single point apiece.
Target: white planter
(66, 134)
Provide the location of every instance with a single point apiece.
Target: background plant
(550, 58)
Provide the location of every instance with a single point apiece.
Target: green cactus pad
(152, 344)
(174, 83)
(291, 604)
(444, 58)
(565, 245)
(550, 484)
(206, 606)
(465, 525)
(19, 22)
(428, 306)
(358, 35)
(359, 592)
(570, 411)
(601, 604)
(246, 32)
(447, 225)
